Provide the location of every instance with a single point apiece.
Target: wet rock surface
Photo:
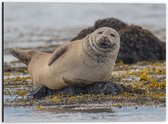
(97, 88)
(137, 44)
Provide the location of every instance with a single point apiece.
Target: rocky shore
(143, 83)
(139, 76)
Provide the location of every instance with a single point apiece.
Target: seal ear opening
(57, 53)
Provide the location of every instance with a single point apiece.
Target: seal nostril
(112, 35)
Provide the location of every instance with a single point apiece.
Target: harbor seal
(77, 63)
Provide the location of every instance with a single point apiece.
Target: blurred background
(32, 25)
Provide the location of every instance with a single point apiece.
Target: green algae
(39, 108)
(7, 73)
(21, 92)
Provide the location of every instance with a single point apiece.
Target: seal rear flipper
(23, 55)
(57, 53)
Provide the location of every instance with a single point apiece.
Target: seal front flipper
(58, 52)
(23, 55)
(70, 81)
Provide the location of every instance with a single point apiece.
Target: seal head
(102, 43)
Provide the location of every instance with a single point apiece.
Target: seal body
(78, 63)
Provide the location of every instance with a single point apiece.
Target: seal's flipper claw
(57, 53)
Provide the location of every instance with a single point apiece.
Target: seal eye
(112, 35)
(100, 32)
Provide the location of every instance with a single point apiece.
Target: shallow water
(59, 15)
(27, 114)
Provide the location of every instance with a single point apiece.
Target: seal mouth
(104, 42)
(99, 45)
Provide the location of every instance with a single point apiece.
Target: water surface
(34, 24)
(27, 114)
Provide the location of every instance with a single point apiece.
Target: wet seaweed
(143, 83)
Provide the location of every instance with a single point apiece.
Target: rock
(137, 44)
(38, 93)
(109, 22)
(97, 88)
(83, 33)
(7, 68)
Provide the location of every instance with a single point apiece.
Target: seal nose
(104, 42)
(106, 39)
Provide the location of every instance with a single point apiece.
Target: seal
(77, 63)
